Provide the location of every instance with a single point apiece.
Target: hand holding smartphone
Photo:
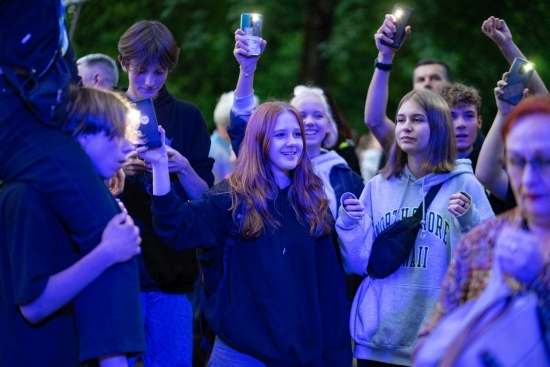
(148, 125)
(403, 15)
(252, 25)
(518, 77)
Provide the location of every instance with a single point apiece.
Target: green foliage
(446, 30)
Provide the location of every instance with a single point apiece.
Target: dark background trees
(326, 42)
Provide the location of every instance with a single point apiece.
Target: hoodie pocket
(389, 315)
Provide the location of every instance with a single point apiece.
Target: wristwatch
(383, 67)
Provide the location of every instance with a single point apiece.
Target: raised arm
(490, 166)
(377, 97)
(497, 30)
(244, 103)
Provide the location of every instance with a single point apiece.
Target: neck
(465, 153)
(415, 166)
(313, 152)
(283, 182)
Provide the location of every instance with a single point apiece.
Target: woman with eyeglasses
(518, 238)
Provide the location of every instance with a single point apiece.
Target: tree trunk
(318, 28)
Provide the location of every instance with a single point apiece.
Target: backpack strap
(430, 196)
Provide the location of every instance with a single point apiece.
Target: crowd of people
(260, 235)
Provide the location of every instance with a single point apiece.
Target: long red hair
(252, 182)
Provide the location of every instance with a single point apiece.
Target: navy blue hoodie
(286, 302)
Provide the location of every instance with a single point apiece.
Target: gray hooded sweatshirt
(387, 313)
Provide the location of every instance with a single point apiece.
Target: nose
(407, 125)
(126, 147)
(459, 122)
(149, 80)
(428, 84)
(291, 140)
(308, 120)
(529, 175)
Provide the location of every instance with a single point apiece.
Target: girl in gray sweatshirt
(387, 313)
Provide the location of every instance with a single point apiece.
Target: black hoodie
(161, 268)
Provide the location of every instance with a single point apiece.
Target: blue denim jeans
(225, 356)
(168, 320)
(107, 312)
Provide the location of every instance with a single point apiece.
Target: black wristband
(383, 67)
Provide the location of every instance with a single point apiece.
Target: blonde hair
(91, 111)
(302, 91)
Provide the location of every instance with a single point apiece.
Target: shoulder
(20, 196)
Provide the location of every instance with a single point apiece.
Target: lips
(407, 139)
(311, 132)
(461, 136)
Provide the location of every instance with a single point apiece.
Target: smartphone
(518, 77)
(148, 125)
(252, 25)
(402, 14)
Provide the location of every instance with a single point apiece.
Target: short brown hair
(440, 155)
(458, 95)
(148, 42)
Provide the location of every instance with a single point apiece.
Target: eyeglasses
(539, 164)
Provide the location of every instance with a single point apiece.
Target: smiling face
(412, 131)
(286, 147)
(466, 123)
(316, 123)
(107, 153)
(145, 81)
(527, 141)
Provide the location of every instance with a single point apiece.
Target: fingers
(458, 204)
(118, 219)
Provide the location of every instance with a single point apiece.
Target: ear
(97, 79)
(83, 139)
(479, 121)
(122, 65)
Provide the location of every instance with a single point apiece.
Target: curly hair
(457, 95)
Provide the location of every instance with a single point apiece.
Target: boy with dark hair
(465, 104)
(431, 74)
(41, 272)
(148, 52)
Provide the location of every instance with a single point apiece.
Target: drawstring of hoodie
(423, 221)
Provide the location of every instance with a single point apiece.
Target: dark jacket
(162, 268)
(285, 301)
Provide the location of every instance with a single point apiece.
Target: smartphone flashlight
(252, 25)
(402, 14)
(398, 13)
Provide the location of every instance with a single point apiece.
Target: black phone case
(148, 124)
(517, 81)
(400, 25)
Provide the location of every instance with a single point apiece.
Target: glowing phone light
(398, 12)
(528, 67)
(255, 17)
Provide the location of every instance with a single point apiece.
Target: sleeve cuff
(244, 106)
(164, 203)
(345, 220)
